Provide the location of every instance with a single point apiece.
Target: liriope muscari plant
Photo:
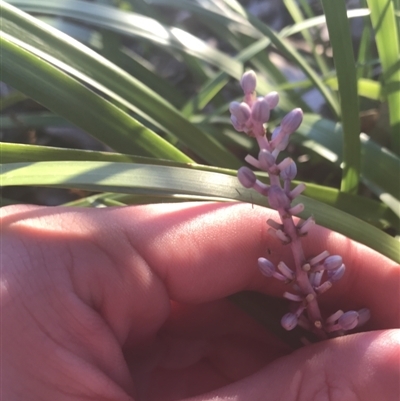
(309, 277)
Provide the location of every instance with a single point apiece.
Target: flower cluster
(310, 277)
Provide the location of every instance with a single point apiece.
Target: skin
(129, 304)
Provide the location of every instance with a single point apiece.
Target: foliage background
(119, 102)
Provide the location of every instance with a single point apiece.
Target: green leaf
(368, 210)
(325, 138)
(293, 55)
(145, 179)
(132, 24)
(115, 82)
(343, 56)
(387, 41)
(70, 99)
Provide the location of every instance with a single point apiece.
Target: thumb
(363, 366)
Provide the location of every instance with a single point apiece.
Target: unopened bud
(249, 82)
(289, 172)
(241, 111)
(289, 321)
(272, 99)
(319, 258)
(292, 120)
(286, 270)
(277, 198)
(266, 159)
(336, 274)
(236, 125)
(260, 111)
(266, 267)
(279, 138)
(246, 177)
(305, 226)
(299, 208)
(333, 318)
(293, 297)
(297, 190)
(333, 262)
(348, 320)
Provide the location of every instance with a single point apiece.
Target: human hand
(129, 304)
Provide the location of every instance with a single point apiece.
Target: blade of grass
(325, 137)
(365, 48)
(366, 209)
(65, 96)
(32, 120)
(128, 90)
(132, 24)
(138, 178)
(297, 16)
(387, 42)
(343, 56)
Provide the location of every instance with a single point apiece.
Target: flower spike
(311, 276)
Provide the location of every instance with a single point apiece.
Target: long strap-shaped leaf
(67, 97)
(387, 42)
(139, 97)
(369, 210)
(343, 55)
(145, 179)
(133, 24)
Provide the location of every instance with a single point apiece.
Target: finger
(228, 241)
(195, 253)
(362, 366)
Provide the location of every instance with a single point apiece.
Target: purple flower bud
(260, 111)
(293, 297)
(336, 274)
(266, 159)
(289, 172)
(277, 198)
(348, 320)
(296, 209)
(286, 271)
(304, 227)
(274, 224)
(292, 120)
(241, 111)
(316, 259)
(297, 190)
(282, 236)
(289, 321)
(333, 318)
(333, 262)
(275, 132)
(266, 267)
(315, 278)
(324, 287)
(246, 177)
(272, 99)
(236, 125)
(279, 138)
(285, 163)
(248, 82)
